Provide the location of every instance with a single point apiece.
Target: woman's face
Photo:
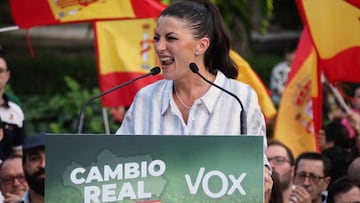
(175, 46)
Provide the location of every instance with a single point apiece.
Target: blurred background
(56, 80)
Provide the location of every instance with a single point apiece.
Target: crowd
(22, 157)
(331, 175)
(184, 103)
(22, 177)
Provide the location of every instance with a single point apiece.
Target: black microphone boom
(243, 128)
(80, 120)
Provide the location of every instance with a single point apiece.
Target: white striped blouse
(154, 111)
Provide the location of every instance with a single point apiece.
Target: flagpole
(10, 28)
(339, 98)
(106, 120)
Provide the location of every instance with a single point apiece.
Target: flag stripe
(337, 68)
(30, 13)
(354, 3)
(295, 121)
(335, 31)
(305, 44)
(141, 8)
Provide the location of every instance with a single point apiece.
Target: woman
(183, 103)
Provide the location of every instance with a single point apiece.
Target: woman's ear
(203, 45)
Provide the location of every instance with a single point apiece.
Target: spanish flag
(125, 50)
(335, 32)
(295, 125)
(249, 76)
(330, 44)
(32, 13)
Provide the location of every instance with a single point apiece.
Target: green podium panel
(154, 169)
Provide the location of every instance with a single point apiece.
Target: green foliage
(267, 10)
(263, 65)
(58, 113)
(44, 73)
(244, 10)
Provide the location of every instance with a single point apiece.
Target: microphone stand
(243, 127)
(80, 119)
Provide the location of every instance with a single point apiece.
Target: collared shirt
(154, 112)
(11, 113)
(25, 198)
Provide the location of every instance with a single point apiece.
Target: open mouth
(166, 61)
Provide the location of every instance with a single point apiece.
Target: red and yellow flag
(335, 31)
(125, 51)
(248, 75)
(330, 43)
(30, 13)
(298, 114)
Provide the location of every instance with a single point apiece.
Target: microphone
(243, 128)
(80, 119)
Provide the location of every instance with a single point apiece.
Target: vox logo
(229, 183)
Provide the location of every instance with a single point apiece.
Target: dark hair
(276, 193)
(317, 157)
(341, 185)
(31, 151)
(337, 132)
(2, 53)
(289, 153)
(205, 20)
(291, 47)
(3, 56)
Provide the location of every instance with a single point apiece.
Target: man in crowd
(282, 161)
(338, 150)
(311, 178)
(34, 168)
(343, 190)
(12, 179)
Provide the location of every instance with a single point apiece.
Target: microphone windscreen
(194, 68)
(155, 70)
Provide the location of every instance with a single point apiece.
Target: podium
(154, 169)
